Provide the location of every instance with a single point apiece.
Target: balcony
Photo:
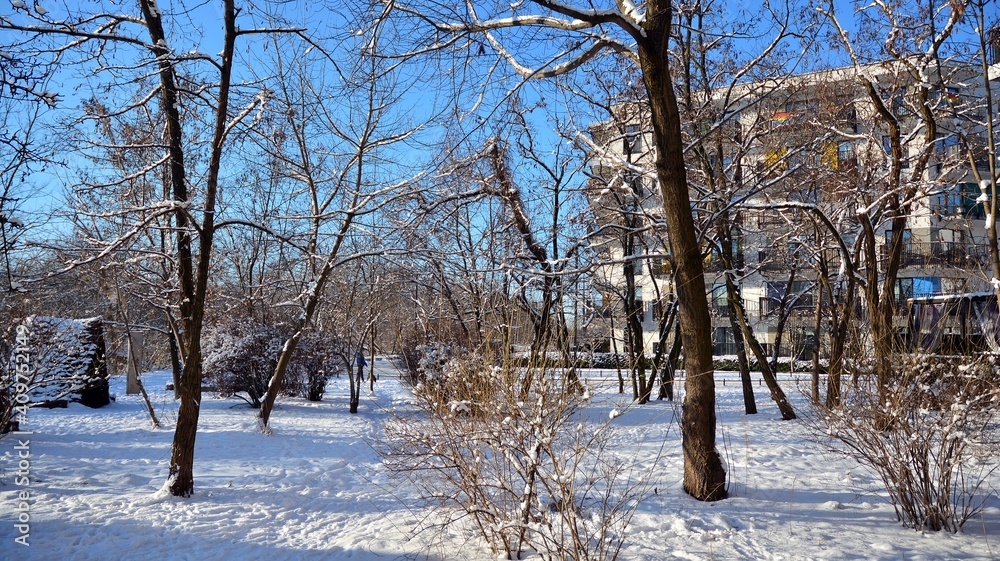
(771, 262)
(961, 255)
(714, 263)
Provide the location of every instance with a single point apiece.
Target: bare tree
(346, 182)
(988, 48)
(903, 110)
(544, 248)
(644, 35)
(726, 124)
(84, 37)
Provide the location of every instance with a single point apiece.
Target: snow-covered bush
(315, 361)
(425, 363)
(607, 361)
(240, 357)
(930, 435)
(64, 360)
(461, 384)
(524, 468)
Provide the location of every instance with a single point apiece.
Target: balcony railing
(714, 263)
(782, 260)
(941, 254)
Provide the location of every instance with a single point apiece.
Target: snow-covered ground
(315, 489)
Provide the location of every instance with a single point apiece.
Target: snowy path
(316, 490)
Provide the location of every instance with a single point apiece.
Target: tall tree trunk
(665, 325)
(989, 187)
(633, 331)
(667, 379)
(746, 381)
(749, 400)
(371, 370)
(614, 353)
(783, 313)
(816, 347)
(176, 367)
(777, 394)
(724, 229)
(841, 313)
(312, 300)
(182, 452)
(193, 282)
(356, 381)
(704, 476)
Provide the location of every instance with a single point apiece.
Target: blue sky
(199, 31)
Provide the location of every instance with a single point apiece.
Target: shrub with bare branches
(423, 363)
(929, 435)
(528, 471)
(240, 358)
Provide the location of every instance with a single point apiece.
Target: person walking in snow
(359, 359)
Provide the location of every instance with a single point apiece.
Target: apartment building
(772, 149)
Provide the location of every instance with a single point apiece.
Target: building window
(735, 248)
(775, 159)
(950, 97)
(720, 296)
(638, 187)
(907, 236)
(660, 267)
(638, 305)
(800, 296)
(845, 154)
(848, 117)
(601, 307)
(803, 290)
(973, 203)
(725, 341)
(916, 287)
(949, 202)
(828, 155)
(946, 146)
(887, 147)
(633, 140)
(897, 103)
(634, 262)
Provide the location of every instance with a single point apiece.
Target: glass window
(926, 286)
(907, 236)
(803, 290)
(972, 207)
(845, 153)
(916, 287)
(633, 140)
(720, 296)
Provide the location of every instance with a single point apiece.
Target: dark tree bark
(749, 399)
(724, 229)
(665, 325)
(704, 476)
(176, 367)
(356, 380)
(371, 369)
(777, 394)
(817, 326)
(667, 377)
(193, 281)
(784, 310)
